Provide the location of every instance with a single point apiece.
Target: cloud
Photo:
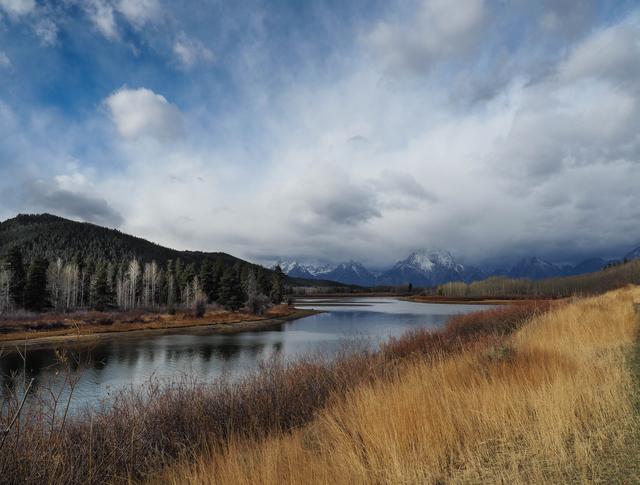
(487, 129)
(68, 202)
(47, 30)
(402, 183)
(331, 197)
(4, 60)
(432, 30)
(101, 13)
(18, 8)
(611, 54)
(139, 12)
(141, 113)
(41, 19)
(188, 52)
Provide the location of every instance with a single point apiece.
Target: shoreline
(71, 340)
(468, 300)
(449, 300)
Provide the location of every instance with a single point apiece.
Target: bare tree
(134, 274)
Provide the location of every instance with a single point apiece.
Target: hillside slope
(52, 237)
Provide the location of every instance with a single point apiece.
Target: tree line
(609, 278)
(86, 283)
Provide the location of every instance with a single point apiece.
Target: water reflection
(119, 362)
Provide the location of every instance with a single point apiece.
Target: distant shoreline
(467, 300)
(424, 298)
(48, 341)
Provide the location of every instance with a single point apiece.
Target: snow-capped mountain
(428, 269)
(432, 268)
(310, 271)
(351, 273)
(295, 269)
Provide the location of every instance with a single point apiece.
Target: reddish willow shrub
(143, 430)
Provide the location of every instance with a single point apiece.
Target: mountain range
(51, 236)
(432, 268)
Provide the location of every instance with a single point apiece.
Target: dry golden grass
(554, 403)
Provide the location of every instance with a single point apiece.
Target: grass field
(143, 430)
(554, 402)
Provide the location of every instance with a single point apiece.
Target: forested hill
(52, 237)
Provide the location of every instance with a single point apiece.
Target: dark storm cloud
(347, 206)
(392, 181)
(48, 198)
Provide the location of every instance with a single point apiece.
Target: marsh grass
(553, 402)
(143, 430)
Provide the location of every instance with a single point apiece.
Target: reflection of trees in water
(49, 376)
(126, 355)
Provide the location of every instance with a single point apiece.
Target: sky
(328, 131)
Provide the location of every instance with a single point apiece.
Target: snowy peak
(353, 273)
(350, 273)
(299, 270)
(428, 268)
(428, 260)
(434, 267)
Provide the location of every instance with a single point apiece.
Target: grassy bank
(144, 430)
(50, 328)
(554, 402)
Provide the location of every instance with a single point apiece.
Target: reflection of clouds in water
(118, 362)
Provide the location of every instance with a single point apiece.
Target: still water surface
(124, 361)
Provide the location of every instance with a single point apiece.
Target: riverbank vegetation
(611, 277)
(553, 402)
(83, 296)
(140, 431)
(16, 328)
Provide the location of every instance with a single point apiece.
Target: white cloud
(102, 15)
(188, 52)
(142, 113)
(47, 30)
(40, 19)
(4, 60)
(139, 12)
(17, 8)
(335, 162)
(432, 30)
(612, 54)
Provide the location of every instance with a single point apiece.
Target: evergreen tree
(17, 281)
(100, 291)
(208, 280)
(35, 292)
(277, 285)
(230, 294)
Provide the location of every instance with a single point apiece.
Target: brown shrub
(142, 430)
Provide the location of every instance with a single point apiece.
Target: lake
(123, 361)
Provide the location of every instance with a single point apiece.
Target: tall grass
(144, 430)
(551, 403)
